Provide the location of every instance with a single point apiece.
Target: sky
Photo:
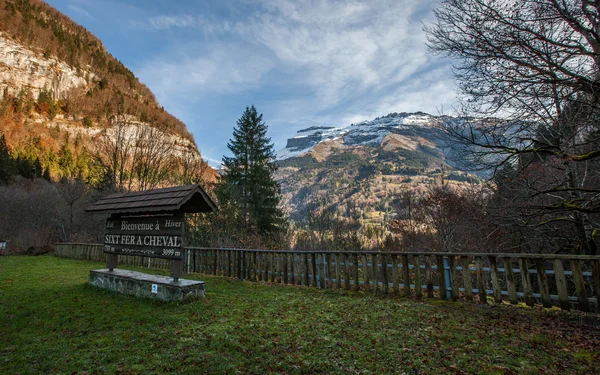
(300, 63)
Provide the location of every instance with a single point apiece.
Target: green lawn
(51, 321)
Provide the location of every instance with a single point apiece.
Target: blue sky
(301, 63)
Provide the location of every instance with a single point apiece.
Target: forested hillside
(75, 124)
(70, 106)
(111, 87)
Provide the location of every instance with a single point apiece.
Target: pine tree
(250, 175)
(37, 168)
(6, 162)
(66, 160)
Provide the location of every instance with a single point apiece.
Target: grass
(52, 322)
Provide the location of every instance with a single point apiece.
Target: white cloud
(77, 9)
(217, 71)
(337, 61)
(345, 46)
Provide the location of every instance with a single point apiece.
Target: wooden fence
(564, 280)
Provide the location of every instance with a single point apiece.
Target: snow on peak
(365, 133)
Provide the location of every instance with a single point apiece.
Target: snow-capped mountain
(366, 165)
(405, 130)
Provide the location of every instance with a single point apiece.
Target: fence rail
(564, 280)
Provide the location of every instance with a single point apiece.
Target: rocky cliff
(24, 69)
(59, 86)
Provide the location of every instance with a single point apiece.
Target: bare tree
(153, 159)
(113, 151)
(192, 169)
(71, 191)
(135, 156)
(528, 71)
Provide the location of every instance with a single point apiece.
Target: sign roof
(186, 198)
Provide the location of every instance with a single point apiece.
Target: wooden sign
(148, 236)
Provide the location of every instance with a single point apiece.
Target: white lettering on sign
(170, 241)
(112, 239)
(172, 224)
(136, 226)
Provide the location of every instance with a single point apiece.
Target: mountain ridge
(366, 166)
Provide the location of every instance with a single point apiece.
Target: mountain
(361, 169)
(59, 86)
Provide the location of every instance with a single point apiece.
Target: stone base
(148, 286)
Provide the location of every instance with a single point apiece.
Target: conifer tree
(6, 162)
(249, 175)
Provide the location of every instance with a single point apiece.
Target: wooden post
(417, 270)
(384, 274)
(272, 266)
(338, 271)
(365, 266)
(375, 268)
(406, 275)
(355, 272)
(441, 276)
(176, 269)
(510, 281)
(285, 268)
(264, 261)
(313, 262)
(494, 277)
(346, 273)
(277, 260)
(322, 271)
(428, 277)
(228, 263)
(526, 282)
(480, 280)
(395, 274)
(582, 300)
(543, 282)
(214, 254)
(561, 285)
(306, 269)
(259, 266)
(292, 269)
(111, 261)
(453, 279)
(596, 282)
(256, 269)
(328, 270)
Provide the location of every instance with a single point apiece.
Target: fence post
(447, 279)
(306, 269)
(494, 277)
(543, 282)
(453, 281)
(395, 274)
(561, 285)
(355, 272)
(480, 280)
(417, 270)
(322, 271)
(384, 273)
(583, 303)
(365, 265)
(313, 262)
(406, 275)
(328, 271)
(241, 265)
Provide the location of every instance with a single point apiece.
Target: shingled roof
(187, 198)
